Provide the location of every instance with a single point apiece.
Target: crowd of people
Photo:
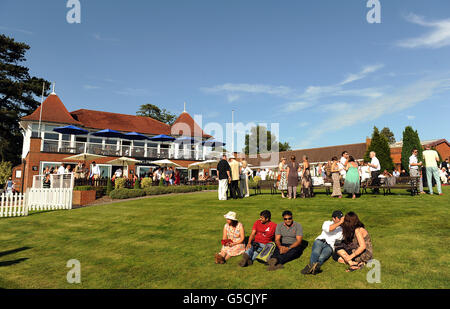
(346, 175)
(343, 237)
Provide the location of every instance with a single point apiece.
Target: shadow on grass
(13, 251)
(16, 261)
(12, 262)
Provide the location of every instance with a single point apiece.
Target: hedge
(83, 188)
(123, 193)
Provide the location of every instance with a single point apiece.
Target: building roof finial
(184, 111)
(53, 92)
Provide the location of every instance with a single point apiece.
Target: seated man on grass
(323, 246)
(263, 232)
(288, 238)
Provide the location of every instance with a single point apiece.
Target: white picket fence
(18, 204)
(49, 199)
(13, 205)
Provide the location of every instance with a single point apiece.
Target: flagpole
(42, 106)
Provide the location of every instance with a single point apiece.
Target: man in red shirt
(263, 232)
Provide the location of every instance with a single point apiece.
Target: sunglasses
(286, 219)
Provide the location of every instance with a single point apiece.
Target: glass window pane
(65, 137)
(53, 136)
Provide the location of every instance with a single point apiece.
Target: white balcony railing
(68, 147)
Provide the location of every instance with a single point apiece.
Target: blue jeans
(254, 250)
(321, 251)
(433, 171)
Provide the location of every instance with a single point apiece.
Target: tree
(386, 132)
(5, 172)
(380, 145)
(284, 147)
(411, 141)
(17, 96)
(265, 145)
(153, 111)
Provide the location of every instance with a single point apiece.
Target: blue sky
(317, 68)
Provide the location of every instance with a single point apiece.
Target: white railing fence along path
(13, 205)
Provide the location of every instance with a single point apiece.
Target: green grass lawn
(170, 241)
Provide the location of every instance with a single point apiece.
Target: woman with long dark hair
(356, 247)
(306, 179)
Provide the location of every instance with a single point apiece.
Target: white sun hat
(231, 215)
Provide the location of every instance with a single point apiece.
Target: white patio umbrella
(84, 157)
(165, 163)
(123, 161)
(208, 164)
(195, 165)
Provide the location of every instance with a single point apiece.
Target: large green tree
(386, 132)
(380, 145)
(153, 111)
(18, 93)
(265, 145)
(411, 141)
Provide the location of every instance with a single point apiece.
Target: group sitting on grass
(344, 237)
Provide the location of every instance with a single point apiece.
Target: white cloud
(410, 117)
(16, 30)
(249, 88)
(438, 37)
(390, 103)
(98, 37)
(233, 97)
(362, 74)
(133, 92)
(294, 106)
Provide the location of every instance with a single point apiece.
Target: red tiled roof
(185, 123)
(53, 110)
(120, 122)
(322, 154)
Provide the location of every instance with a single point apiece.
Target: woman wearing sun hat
(232, 239)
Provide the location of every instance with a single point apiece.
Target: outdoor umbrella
(134, 136)
(84, 157)
(213, 143)
(71, 130)
(186, 140)
(162, 138)
(108, 133)
(165, 163)
(208, 164)
(195, 165)
(123, 161)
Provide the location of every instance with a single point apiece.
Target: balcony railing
(68, 147)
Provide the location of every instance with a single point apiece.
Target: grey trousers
(415, 173)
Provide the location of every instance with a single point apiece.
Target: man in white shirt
(396, 173)
(263, 174)
(342, 163)
(431, 158)
(414, 167)
(375, 170)
(118, 173)
(61, 169)
(95, 173)
(323, 246)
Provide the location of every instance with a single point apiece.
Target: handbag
(266, 253)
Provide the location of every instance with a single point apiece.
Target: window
(53, 136)
(65, 137)
(95, 140)
(110, 141)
